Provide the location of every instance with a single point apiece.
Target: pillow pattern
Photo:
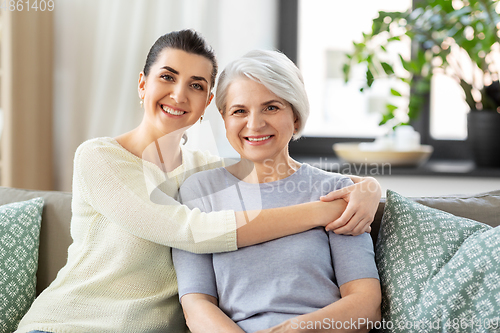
(439, 272)
(19, 239)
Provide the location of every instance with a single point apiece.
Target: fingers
(357, 225)
(338, 194)
(342, 220)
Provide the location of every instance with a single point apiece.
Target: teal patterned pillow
(439, 272)
(19, 239)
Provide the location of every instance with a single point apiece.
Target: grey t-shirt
(263, 285)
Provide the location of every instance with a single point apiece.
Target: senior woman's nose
(255, 121)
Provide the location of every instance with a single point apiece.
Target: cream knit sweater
(119, 276)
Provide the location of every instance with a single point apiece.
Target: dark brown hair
(186, 40)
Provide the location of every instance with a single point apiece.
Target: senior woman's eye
(272, 108)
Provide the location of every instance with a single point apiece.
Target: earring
(142, 103)
(201, 118)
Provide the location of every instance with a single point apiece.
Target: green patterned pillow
(439, 272)
(19, 239)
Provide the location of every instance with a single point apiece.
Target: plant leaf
(394, 92)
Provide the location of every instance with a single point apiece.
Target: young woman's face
(176, 90)
(259, 124)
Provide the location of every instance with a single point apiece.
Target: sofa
(55, 221)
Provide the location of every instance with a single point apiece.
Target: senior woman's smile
(259, 124)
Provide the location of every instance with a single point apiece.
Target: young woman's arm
(363, 199)
(358, 307)
(203, 315)
(115, 188)
(254, 227)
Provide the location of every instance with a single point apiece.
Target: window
(323, 33)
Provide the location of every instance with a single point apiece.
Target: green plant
(445, 36)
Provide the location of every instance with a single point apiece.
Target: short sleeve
(195, 273)
(353, 257)
(343, 182)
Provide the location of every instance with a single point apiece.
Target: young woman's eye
(167, 77)
(197, 86)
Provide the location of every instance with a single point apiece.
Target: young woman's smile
(176, 91)
(259, 124)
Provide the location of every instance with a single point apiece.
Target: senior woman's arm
(362, 203)
(203, 315)
(358, 307)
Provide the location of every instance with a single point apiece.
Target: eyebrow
(194, 77)
(273, 101)
(263, 104)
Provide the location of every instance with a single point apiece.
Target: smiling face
(259, 124)
(176, 91)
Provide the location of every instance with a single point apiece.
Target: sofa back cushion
(484, 207)
(54, 233)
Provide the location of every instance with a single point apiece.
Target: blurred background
(69, 73)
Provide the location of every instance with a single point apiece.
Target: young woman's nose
(255, 121)
(179, 93)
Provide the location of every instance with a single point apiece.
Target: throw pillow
(439, 272)
(19, 239)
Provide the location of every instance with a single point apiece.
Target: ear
(210, 99)
(141, 87)
(296, 123)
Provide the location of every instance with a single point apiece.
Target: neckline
(141, 160)
(273, 183)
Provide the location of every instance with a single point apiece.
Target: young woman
(288, 283)
(119, 276)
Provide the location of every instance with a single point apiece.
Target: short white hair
(273, 70)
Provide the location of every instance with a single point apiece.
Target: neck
(160, 149)
(264, 172)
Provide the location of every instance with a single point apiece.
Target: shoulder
(204, 156)
(99, 151)
(203, 178)
(318, 175)
(202, 184)
(96, 144)
(203, 160)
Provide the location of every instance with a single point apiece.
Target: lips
(171, 111)
(258, 139)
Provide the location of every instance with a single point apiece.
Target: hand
(362, 203)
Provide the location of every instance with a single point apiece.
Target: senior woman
(287, 283)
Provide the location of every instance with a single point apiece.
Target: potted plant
(459, 38)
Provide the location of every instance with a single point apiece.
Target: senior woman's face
(259, 124)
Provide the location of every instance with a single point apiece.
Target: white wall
(101, 46)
